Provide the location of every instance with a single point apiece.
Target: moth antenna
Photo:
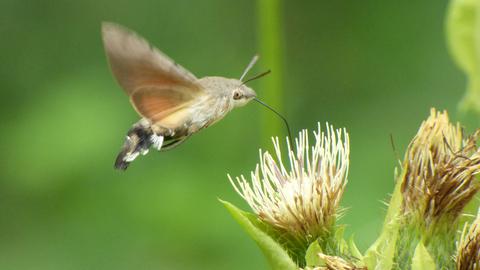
(257, 76)
(290, 139)
(250, 65)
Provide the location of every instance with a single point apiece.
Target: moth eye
(236, 95)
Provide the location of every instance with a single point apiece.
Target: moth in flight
(172, 102)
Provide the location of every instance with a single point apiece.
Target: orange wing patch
(158, 104)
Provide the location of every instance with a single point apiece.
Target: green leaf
(421, 259)
(338, 235)
(312, 257)
(463, 33)
(381, 254)
(353, 249)
(276, 256)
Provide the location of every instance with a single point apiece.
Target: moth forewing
(135, 63)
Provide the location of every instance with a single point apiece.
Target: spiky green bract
(336, 246)
(421, 259)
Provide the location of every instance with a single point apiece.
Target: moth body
(172, 102)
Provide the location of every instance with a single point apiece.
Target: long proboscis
(290, 138)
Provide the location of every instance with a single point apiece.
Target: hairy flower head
(439, 170)
(468, 252)
(302, 201)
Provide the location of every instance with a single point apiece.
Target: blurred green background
(375, 67)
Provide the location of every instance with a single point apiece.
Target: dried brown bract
(468, 254)
(439, 170)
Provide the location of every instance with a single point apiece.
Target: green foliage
(277, 257)
(312, 259)
(463, 32)
(463, 36)
(270, 38)
(278, 253)
(353, 249)
(381, 254)
(421, 259)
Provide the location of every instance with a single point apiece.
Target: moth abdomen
(137, 141)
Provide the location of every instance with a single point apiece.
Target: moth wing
(135, 63)
(157, 86)
(164, 107)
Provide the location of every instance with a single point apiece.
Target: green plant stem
(271, 53)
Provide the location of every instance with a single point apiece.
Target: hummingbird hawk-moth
(173, 103)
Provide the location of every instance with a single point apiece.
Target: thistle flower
(302, 202)
(438, 181)
(468, 253)
(439, 171)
